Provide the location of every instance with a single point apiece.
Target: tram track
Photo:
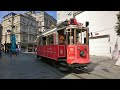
(93, 76)
(80, 75)
(89, 74)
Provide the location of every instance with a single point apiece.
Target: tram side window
(39, 41)
(50, 39)
(44, 40)
(61, 37)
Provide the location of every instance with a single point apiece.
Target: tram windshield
(77, 36)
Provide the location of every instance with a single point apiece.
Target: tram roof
(76, 27)
(57, 29)
(72, 27)
(48, 32)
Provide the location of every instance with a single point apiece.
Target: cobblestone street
(26, 66)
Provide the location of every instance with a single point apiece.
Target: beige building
(45, 21)
(25, 29)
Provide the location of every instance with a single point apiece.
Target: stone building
(25, 29)
(45, 21)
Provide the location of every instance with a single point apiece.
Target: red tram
(68, 45)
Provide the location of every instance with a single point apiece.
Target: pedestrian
(118, 52)
(0, 51)
(10, 53)
(17, 51)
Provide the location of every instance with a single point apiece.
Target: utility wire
(104, 29)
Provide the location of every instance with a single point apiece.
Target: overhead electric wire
(104, 29)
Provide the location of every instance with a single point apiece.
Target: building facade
(25, 29)
(102, 24)
(45, 21)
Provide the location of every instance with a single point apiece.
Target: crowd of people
(8, 50)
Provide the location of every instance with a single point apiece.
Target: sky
(3, 13)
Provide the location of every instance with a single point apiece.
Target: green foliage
(118, 25)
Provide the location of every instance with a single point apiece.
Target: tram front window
(82, 37)
(69, 37)
(77, 36)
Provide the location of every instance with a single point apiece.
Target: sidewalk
(104, 66)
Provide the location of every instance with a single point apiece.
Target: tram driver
(61, 39)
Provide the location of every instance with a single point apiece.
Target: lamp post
(27, 37)
(5, 41)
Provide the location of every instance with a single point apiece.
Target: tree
(118, 24)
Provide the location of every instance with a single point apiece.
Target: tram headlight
(82, 53)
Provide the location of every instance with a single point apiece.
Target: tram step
(63, 64)
(63, 69)
(61, 59)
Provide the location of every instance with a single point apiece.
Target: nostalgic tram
(68, 45)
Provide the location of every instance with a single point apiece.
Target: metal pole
(11, 31)
(28, 38)
(12, 24)
(5, 40)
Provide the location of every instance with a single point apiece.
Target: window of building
(23, 20)
(39, 23)
(28, 22)
(16, 28)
